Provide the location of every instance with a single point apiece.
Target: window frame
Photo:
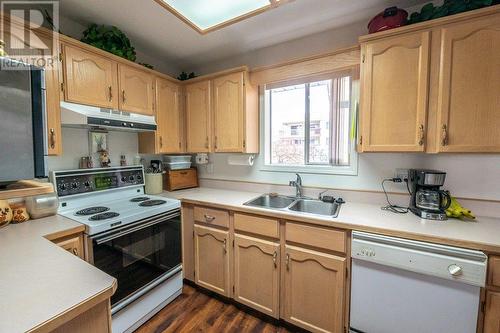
(312, 168)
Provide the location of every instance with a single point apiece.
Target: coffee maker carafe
(428, 201)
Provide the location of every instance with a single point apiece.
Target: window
(205, 16)
(308, 123)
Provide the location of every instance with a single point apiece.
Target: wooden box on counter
(180, 179)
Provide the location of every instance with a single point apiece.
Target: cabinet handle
(275, 255)
(444, 135)
(161, 141)
(52, 138)
(209, 218)
(75, 251)
(215, 143)
(225, 245)
(206, 143)
(421, 135)
(287, 261)
(110, 93)
(123, 96)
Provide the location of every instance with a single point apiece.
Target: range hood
(84, 116)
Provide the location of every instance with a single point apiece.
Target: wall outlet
(401, 173)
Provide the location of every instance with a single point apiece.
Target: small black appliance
(428, 201)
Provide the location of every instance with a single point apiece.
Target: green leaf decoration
(449, 7)
(110, 39)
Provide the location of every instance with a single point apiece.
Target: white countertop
(483, 234)
(39, 280)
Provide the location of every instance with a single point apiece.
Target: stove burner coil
(92, 210)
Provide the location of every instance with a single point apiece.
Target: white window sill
(351, 170)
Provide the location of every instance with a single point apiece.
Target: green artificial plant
(449, 7)
(111, 39)
(185, 76)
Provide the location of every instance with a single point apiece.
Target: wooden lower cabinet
(72, 244)
(492, 313)
(211, 259)
(314, 285)
(257, 274)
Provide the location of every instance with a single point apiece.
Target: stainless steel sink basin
(316, 207)
(292, 204)
(271, 201)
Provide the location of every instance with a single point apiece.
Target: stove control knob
(87, 184)
(74, 185)
(124, 179)
(131, 178)
(455, 270)
(139, 177)
(62, 187)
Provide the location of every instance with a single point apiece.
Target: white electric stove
(133, 236)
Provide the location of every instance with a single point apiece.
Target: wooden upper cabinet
(229, 113)
(469, 87)
(394, 93)
(492, 313)
(211, 259)
(168, 136)
(89, 78)
(198, 114)
(136, 90)
(256, 274)
(314, 289)
(168, 116)
(53, 106)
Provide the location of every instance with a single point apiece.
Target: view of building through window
(309, 123)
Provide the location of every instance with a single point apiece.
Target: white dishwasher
(400, 285)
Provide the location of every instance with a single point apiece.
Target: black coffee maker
(428, 201)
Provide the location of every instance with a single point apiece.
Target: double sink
(298, 205)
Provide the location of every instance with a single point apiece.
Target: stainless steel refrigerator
(23, 134)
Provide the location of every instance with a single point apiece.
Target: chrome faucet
(298, 186)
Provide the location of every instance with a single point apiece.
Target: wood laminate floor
(194, 311)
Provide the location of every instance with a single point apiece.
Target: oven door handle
(135, 227)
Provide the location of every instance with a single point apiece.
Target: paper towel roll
(245, 160)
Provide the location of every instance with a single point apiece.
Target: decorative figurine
(5, 213)
(19, 213)
(104, 158)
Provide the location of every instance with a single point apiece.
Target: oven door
(139, 255)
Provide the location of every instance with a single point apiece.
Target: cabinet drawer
(72, 244)
(494, 271)
(256, 225)
(180, 179)
(211, 216)
(324, 238)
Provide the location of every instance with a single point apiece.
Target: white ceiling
(155, 31)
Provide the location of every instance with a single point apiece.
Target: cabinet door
(168, 117)
(72, 244)
(394, 93)
(211, 259)
(256, 274)
(314, 290)
(492, 313)
(198, 113)
(89, 78)
(136, 90)
(229, 111)
(469, 88)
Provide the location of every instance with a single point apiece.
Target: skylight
(209, 15)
